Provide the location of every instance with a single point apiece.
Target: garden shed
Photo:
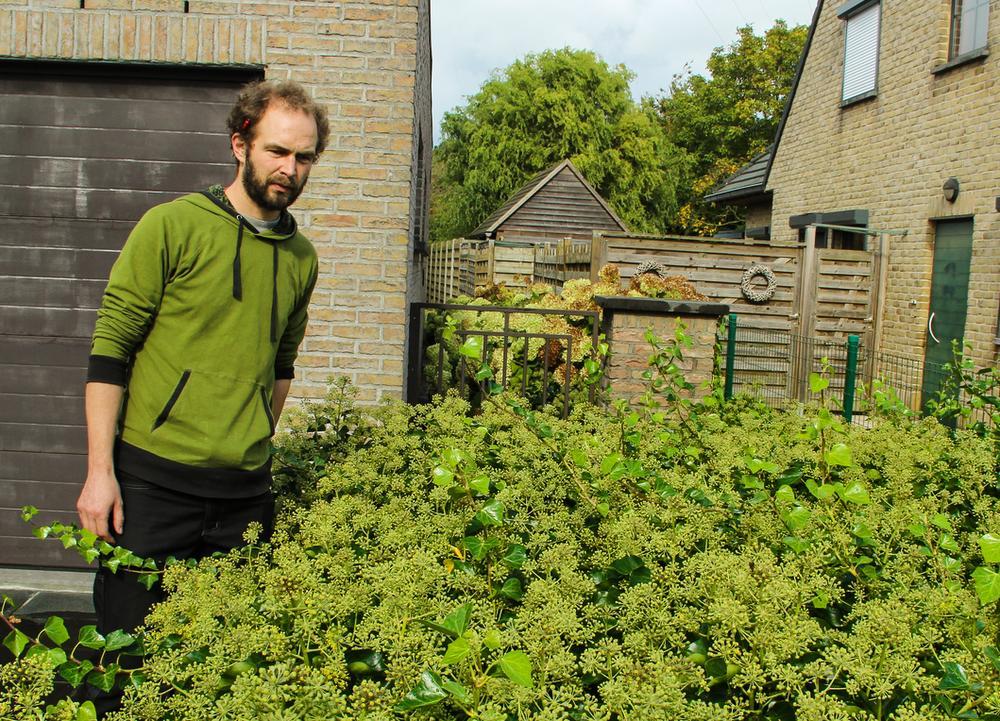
(557, 203)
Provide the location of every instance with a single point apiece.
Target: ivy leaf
(456, 622)
(839, 455)
(87, 538)
(855, 493)
(90, 638)
(56, 656)
(785, 494)
(515, 556)
(16, 642)
(74, 672)
(955, 678)
(798, 545)
(442, 476)
(512, 589)
(491, 514)
(948, 543)
(28, 512)
(609, 463)
(516, 666)
(118, 639)
(89, 554)
(993, 654)
(472, 348)
(987, 584)
(818, 383)
(55, 629)
(148, 580)
(796, 518)
(990, 546)
(822, 492)
(478, 547)
(86, 712)
(104, 680)
(480, 485)
(941, 521)
(457, 650)
(458, 692)
(579, 458)
(484, 373)
(427, 693)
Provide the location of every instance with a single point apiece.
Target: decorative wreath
(746, 285)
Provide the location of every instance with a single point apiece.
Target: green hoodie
(200, 316)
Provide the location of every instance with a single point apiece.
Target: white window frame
(862, 45)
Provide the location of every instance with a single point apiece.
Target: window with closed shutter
(861, 53)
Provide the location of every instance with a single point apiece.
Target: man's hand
(101, 501)
(101, 498)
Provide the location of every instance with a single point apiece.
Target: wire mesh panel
(535, 352)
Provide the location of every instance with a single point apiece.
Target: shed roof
(530, 189)
(745, 182)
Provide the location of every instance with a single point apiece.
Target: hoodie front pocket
(178, 389)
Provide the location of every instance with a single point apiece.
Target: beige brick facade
(364, 208)
(891, 154)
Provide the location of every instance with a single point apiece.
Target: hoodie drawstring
(274, 293)
(237, 270)
(238, 279)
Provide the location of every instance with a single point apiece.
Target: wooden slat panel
(42, 292)
(40, 351)
(88, 203)
(63, 232)
(40, 409)
(43, 380)
(116, 113)
(158, 175)
(43, 438)
(45, 496)
(48, 467)
(101, 143)
(29, 552)
(59, 322)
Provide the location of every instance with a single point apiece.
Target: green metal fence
(776, 367)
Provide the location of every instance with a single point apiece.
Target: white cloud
(653, 38)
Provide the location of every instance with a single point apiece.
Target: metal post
(850, 377)
(730, 357)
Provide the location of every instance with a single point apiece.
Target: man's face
(277, 162)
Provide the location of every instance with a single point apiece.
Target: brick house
(892, 123)
(110, 106)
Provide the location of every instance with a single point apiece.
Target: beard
(265, 197)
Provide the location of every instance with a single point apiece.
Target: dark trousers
(160, 523)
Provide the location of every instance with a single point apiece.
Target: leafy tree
(542, 109)
(726, 117)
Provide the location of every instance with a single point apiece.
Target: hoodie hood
(215, 201)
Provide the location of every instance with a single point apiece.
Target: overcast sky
(653, 38)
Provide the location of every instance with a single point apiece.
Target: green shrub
(733, 563)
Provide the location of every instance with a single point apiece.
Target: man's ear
(239, 147)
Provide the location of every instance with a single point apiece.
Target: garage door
(85, 149)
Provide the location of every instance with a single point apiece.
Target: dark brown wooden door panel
(84, 152)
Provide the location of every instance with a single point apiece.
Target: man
(198, 331)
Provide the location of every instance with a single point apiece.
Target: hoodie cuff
(281, 374)
(105, 369)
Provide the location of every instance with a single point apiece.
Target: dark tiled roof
(748, 180)
(529, 189)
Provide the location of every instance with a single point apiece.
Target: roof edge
(791, 93)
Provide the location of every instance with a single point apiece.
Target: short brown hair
(255, 98)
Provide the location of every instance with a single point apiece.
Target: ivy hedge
(723, 561)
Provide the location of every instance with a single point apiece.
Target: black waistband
(193, 480)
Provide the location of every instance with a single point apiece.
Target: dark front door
(84, 151)
(949, 299)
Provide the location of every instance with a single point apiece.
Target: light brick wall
(360, 59)
(891, 155)
(630, 350)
